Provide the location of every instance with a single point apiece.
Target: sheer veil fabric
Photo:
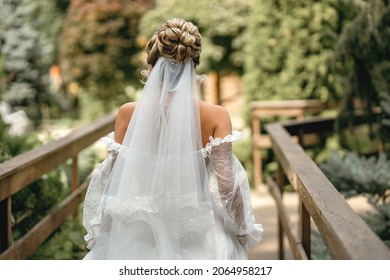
(157, 203)
(160, 195)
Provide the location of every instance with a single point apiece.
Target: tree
(222, 24)
(361, 62)
(288, 48)
(98, 44)
(360, 67)
(27, 40)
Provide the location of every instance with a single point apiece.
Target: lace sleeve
(232, 192)
(92, 212)
(229, 191)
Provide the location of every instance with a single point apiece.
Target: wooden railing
(21, 170)
(296, 109)
(346, 235)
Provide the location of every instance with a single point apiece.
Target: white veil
(157, 203)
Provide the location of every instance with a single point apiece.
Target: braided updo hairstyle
(176, 39)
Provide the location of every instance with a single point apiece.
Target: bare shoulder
(213, 110)
(219, 117)
(126, 108)
(122, 120)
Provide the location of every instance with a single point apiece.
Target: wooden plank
(25, 168)
(308, 104)
(296, 246)
(279, 112)
(5, 224)
(255, 125)
(25, 246)
(345, 233)
(262, 141)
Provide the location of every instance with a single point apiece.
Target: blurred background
(67, 63)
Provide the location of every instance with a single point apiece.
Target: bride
(170, 187)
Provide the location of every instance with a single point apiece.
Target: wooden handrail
(320, 124)
(309, 104)
(345, 233)
(21, 170)
(18, 172)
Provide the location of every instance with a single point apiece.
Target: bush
(98, 47)
(66, 243)
(357, 175)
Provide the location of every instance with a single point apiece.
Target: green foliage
(367, 142)
(243, 152)
(27, 37)
(222, 24)
(379, 221)
(88, 159)
(319, 250)
(13, 145)
(33, 202)
(385, 120)
(361, 63)
(62, 5)
(98, 45)
(352, 174)
(66, 243)
(91, 107)
(2, 74)
(288, 47)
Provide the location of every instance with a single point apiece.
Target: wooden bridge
(344, 232)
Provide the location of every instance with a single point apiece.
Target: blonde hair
(175, 39)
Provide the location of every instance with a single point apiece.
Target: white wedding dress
(161, 195)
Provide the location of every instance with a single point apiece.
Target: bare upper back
(214, 121)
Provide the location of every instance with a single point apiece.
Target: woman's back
(214, 121)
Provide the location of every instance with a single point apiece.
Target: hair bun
(179, 40)
(176, 39)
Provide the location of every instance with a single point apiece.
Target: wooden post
(75, 174)
(75, 179)
(256, 153)
(305, 229)
(281, 181)
(5, 224)
(210, 88)
(301, 136)
(304, 216)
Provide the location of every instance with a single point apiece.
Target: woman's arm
(222, 157)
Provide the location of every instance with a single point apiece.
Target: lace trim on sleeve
(110, 142)
(92, 211)
(236, 135)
